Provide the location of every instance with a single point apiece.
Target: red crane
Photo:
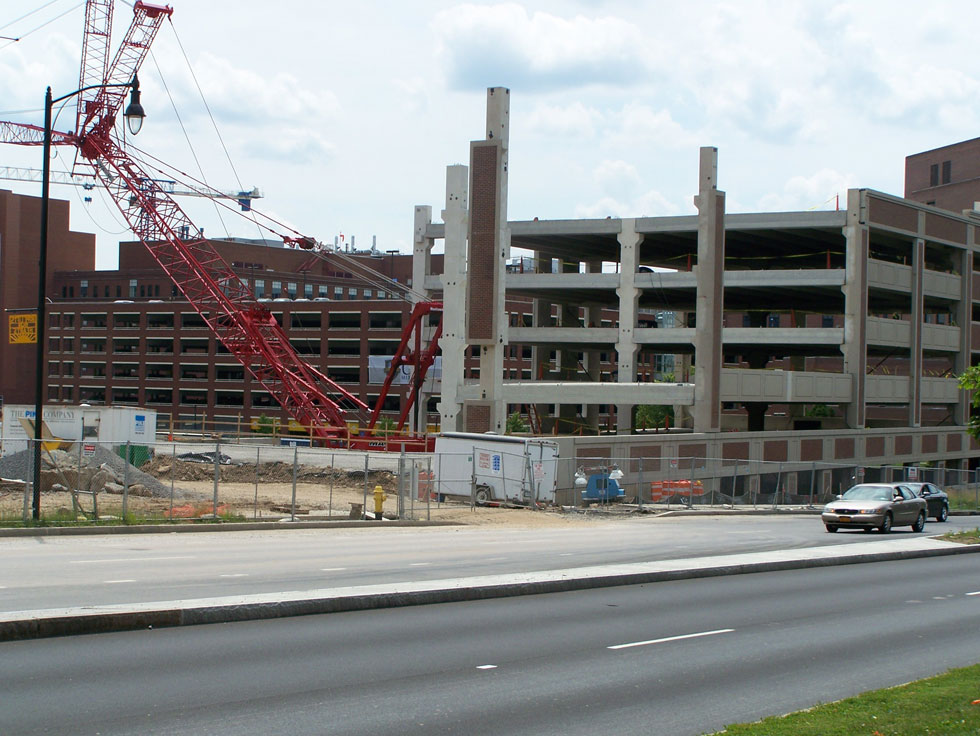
(242, 323)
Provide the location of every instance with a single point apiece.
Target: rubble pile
(165, 466)
(105, 472)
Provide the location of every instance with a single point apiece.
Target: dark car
(876, 506)
(937, 502)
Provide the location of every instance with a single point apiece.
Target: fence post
(473, 481)
(173, 479)
(690, 488)
(779, 481)
(29, 486)
(400, 506)
(428, 491)
(330, 501)
(639, 485)
(255, 501)
(217, 475)
(813, 479)
(364, 500)
(292, 508)
(734, 481)
(125, 484)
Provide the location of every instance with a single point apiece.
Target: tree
(970, 380)
(516, 423)
(653, 415)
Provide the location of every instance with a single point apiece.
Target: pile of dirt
(163, 467)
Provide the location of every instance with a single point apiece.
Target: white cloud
(649, 204)
(487, 45)
(575, 120)
(815, 192)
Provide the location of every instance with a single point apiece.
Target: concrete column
(421, 267)
(489, 247)
(710, 273)
(629, 296)
(453, 342)
(964, 318)
(855, 347)
(916, 314)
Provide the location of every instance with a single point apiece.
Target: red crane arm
(238, 319)
(95, 56)
(100, 113)
(22, 134)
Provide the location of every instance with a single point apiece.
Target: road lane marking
(566, 554)
(418, 564)
(234, 575)
(110, 582)
(496, 559)
(486, 667)
(976, 592)
(128, 559)
(670, 638)
(332, 569)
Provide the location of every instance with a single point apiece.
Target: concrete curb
(179, 528)
(102, 619)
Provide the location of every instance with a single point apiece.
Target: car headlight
(869, 511)
(828, 510)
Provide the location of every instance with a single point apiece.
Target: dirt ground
(315, 500)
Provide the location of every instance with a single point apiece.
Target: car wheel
(886, 524)
(831, 528)
(943, 513)
(482, 496)
(920, 522)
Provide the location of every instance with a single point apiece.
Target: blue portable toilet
(602, 489)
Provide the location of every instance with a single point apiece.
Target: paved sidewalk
(97, 619)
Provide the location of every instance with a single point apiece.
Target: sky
(345, 115)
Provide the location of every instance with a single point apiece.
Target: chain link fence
(176, 481)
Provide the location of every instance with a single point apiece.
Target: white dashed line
(976, 592)
(486, 667)
(111, 582)
(332, 569)
(127, 559)
(566, 554)
(418, 564)
(670, 638)
(235, 575)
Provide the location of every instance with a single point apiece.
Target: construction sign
(22, 329)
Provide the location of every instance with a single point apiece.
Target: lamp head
(134, 111)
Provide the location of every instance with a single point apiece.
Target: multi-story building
(946, 177)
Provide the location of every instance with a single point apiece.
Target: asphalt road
(674, 658)
(55, 572)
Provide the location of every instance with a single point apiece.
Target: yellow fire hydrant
(379, 502)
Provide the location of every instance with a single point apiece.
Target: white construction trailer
(115, 424)
(492, 468)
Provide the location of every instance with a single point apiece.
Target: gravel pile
(17, 466)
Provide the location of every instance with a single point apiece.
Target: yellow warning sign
(23, 328)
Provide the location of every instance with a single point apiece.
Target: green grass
(965, 537)
(941, 705)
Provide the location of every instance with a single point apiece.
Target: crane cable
(207, 107)
(38, 28)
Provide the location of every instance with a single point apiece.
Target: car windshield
(869, 493)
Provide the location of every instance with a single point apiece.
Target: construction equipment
(244, 199)
(243, 324)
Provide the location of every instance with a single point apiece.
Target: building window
(132, 288)
(156, 290)
(338, 292)
(68, 369)
(934, 175)
(947, 172)
(118, 291)
(83, 288)
(276, 289)
(352, 293)
(321, 290)
(259, 288)
(828, 320)
(142, 292)
(291, 289)
(367, 293)
(106, 291)
(308, 291)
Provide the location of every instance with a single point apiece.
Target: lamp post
(134, 119)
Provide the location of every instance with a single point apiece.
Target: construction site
(753, 355)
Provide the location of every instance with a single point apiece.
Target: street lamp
(134, 115)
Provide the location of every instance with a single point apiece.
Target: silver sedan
(876, 506)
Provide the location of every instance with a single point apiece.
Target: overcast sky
(345, 115)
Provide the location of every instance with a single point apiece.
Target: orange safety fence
(661, 489)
